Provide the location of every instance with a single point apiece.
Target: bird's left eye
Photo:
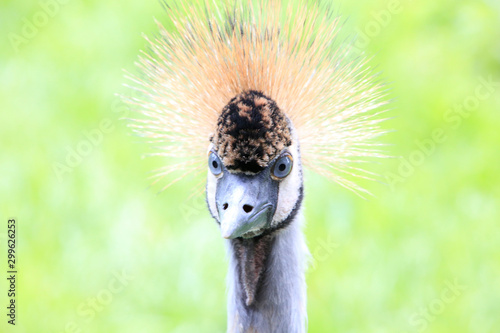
(214, 164)
(282, 167)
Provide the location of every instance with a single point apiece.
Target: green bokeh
(379, 264)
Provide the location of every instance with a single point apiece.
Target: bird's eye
(214, 164)
(282, 167)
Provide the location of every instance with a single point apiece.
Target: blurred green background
(101, 251)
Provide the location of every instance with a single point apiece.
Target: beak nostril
(247, 208)
(224, 206)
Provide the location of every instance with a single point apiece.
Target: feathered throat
(287, 51)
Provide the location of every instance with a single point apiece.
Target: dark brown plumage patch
(252, 256)
(251, 131)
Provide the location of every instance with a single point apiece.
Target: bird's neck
(266, 283)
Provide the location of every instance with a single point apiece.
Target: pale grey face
(247, 205)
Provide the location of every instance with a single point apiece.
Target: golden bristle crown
(288, 51)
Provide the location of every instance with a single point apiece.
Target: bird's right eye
(214, 164)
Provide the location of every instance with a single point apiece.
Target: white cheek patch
(211, 190)
(289, 188)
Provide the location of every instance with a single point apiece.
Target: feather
(287, 50)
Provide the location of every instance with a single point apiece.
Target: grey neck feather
(280, 302)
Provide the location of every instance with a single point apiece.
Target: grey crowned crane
(252, 91)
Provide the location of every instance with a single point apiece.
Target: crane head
(255, 176)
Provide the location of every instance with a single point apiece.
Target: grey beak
(246, 204)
